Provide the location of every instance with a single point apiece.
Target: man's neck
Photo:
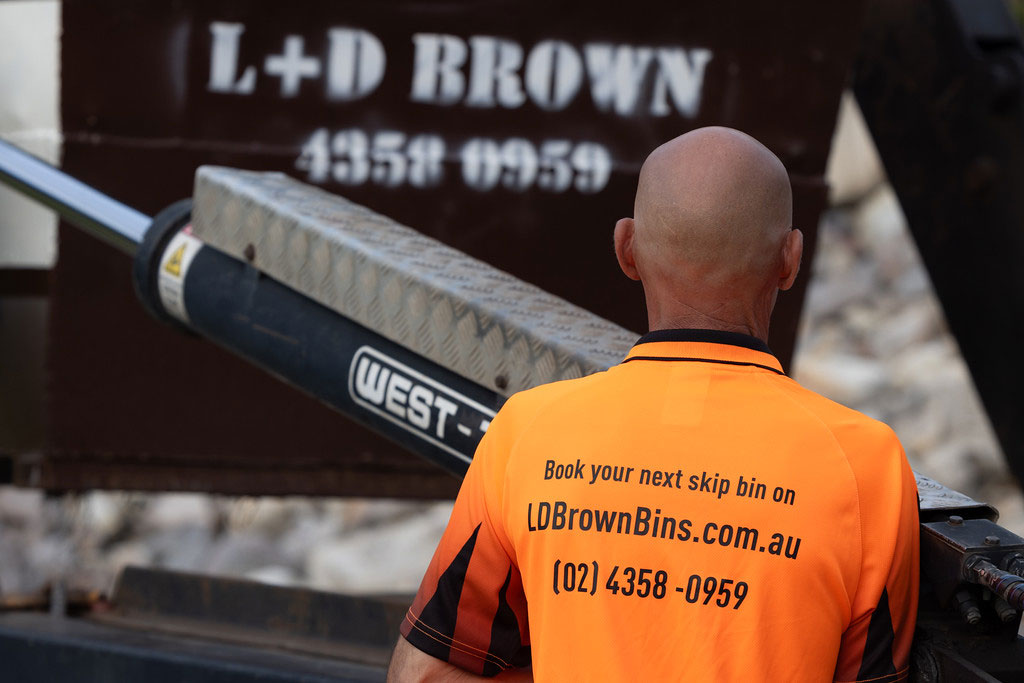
(725, 319)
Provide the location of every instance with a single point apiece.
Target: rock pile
(358, 546)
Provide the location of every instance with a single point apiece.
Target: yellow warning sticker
(173, 265)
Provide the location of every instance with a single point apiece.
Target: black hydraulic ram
(417, 403)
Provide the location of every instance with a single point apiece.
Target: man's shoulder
(543, 396)
(849, 427)
(518, 416)
(564, 395)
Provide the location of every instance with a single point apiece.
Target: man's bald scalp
(713, 204)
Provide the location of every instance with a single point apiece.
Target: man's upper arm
(470, 610)
(876, 646)
(410, 665)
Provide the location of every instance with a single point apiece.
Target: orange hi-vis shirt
(690, 514)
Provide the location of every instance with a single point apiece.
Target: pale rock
(988, 471)
(915, 462)
(923, 363)
(14, 570)
(135, 553)
(878, 221)
(844, 378)
(954, 406)
(892, 403)
(894, 261)
(170, 510)
(913, 282)
(828, 296)
(235, 552)
(308, 532)
(854, 167)
(388, 558)
(275, 575)
(365, 513)
(265, 515)
(1006, 498)
(881, 229)
(63, 514)
(965, 416)
(905, 329)
(49, 558)
(102, 513)
(834, 253)
(348, 513)
(861, 320)
(818, 340)
(920, 435)
(183, 548)
(887, 303)
(956, 466)
(20, 507)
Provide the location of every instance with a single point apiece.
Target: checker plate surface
(459, 312)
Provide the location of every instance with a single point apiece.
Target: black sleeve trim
(506, 636)
(877, 660)
(441, 611)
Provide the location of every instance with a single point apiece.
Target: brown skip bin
(513, 131)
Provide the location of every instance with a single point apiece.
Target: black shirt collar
(707, 337)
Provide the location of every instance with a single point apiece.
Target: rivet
(955, 520)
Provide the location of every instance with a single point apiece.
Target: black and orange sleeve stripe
(876, 646)
(470, 610)
(467, 620)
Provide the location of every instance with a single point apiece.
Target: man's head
(711, 238)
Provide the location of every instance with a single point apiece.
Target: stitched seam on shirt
(899, 675)
(416, 621)
(487, 514)
(846, 461)
(452, 645)
(430, 632)
(535, 414)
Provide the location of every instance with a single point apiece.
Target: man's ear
(625, 229)
(792, 252)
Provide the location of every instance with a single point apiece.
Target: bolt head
(991, 540)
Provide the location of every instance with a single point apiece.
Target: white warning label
(174, 265)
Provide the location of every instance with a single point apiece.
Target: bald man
(692, 513)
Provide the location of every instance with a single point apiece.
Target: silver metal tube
(107, 219)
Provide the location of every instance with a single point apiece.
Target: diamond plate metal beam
(480, 322)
